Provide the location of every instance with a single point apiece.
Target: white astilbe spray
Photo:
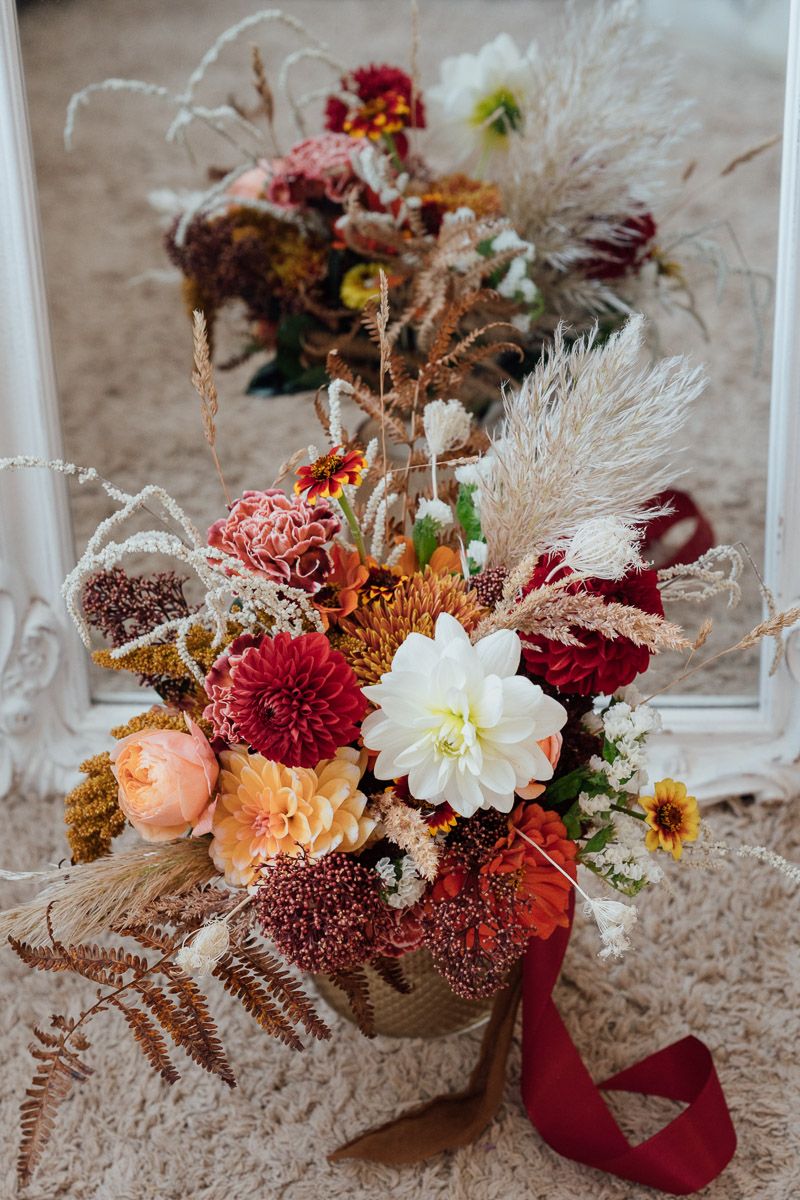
(187, 108)
(223, 577)
(587, 435)
(597, 144)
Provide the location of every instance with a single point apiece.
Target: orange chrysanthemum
(412, 607)
(673, 817)
(340, 594)
(328, 474)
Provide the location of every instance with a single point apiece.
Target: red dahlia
(599, 664)
(625, 253)
(295, 700)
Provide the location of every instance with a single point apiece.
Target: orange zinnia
(672, 815)
(328, 474)
(339, 595)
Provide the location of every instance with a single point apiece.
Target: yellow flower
(360, 284)
(673, 817)
(265, 809)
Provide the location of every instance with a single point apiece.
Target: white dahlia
(458, 720)
(480, 98)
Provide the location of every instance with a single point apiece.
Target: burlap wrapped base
(429, 1010)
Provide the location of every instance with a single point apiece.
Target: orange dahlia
(672, 815)
(413, 607)
(330, 473)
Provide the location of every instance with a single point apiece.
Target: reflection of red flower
(328, 474)
(295, 700)
(599, 664)
(317, 169)
(626, 253)
(385, 95)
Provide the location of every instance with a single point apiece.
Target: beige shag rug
(715, 955)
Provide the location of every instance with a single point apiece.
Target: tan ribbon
(448, 1122)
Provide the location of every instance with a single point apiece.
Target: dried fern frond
(58, 1068)
(355, 985)
(90, 898)
(391, 972)
(587, 435)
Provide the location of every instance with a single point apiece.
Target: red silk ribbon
(569, 1112)
(683, 508)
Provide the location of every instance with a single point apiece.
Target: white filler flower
(481, 97)
(458, 721)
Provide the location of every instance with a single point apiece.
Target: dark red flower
(599, 664)
(491, 896)
(399, 932)
(386, 105)
(295, 700)
(322, 914)
(625, 253)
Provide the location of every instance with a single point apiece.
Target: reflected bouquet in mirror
(397, 723)
(523, 188)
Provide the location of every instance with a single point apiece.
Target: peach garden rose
(166, 780)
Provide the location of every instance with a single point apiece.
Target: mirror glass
(119, 321)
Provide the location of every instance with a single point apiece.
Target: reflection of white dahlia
(458, 721)
(480, 98)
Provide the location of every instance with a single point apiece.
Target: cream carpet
(715, 955)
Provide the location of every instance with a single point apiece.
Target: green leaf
(572, 821)
(598, 841)
(467, 514)
(424, 535)
(610, 751)
(567, 787)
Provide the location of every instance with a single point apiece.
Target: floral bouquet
(397, 715)
(522, 189)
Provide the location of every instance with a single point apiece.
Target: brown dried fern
(355, 985)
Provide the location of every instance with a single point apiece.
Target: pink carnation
(319, 168)
(218, 688)
(279, 537)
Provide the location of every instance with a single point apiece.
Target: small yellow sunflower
(673, 817)
(360, 284)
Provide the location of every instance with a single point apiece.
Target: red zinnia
(599, 664)
(385, 95)
(328, 474)
(296, 700)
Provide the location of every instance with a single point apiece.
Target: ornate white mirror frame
(49, 720)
